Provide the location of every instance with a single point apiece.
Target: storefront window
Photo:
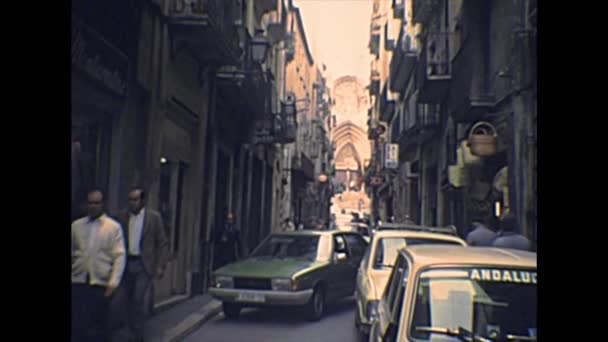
(90, 161)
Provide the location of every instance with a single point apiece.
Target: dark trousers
(225, 253)
(89, 313)
(137, 285)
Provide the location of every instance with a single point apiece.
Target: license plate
(251, 297)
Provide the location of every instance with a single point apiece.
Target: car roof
(358, 224)
(415, 227)
(416, 234)
(434, 255)
(310, 232)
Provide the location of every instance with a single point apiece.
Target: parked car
(377, 264)
(363, 229)
(301, 268)
(462, 294)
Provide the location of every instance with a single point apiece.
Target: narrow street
(256, 325)
(249, 151)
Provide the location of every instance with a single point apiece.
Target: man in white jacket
(98, 262)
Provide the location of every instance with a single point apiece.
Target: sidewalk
(177, 322)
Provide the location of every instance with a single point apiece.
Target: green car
(301, 268)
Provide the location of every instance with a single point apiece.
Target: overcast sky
(338, 34)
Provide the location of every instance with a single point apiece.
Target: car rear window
(288, 246)
(388, 248)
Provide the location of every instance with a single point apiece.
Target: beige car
(449, 293)
(378, 261)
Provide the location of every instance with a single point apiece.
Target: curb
(193, 322)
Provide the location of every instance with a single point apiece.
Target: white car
(377, 265)
(449, 293)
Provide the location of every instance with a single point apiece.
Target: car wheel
(362, 336)
(231, 310)
(316, 305)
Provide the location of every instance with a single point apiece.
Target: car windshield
(388, 248)
(494, 303)
(288, 246)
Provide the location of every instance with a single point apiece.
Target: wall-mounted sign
(95, 57)
(263, 132)
(391, 156)
(376, 180)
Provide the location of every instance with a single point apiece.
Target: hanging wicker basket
(482, 139)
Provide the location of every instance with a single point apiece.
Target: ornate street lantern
(259, 47)
(288, 113)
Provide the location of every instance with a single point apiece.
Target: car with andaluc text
(451, 293)
(378, 262)
(301, 269)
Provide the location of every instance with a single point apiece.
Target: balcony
(468, 98)
(371, 130)
(435, 68)
(422, 10)
(276, 25)
(207, 27)
(374, 44)
(395, 130)
(420, 126)
(387, 105)
(399, 9)
(263, 6)
(374, 86)
(403, 62)
(303, 165)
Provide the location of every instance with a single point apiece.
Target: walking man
(508, 237)
(147, 257)
(227, 243)
(98, 262)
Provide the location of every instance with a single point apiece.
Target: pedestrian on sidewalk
(98, 262)
(147, 258)
(481, 234)
(227, 243)
(509, 237)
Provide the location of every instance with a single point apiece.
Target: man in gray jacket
(98, 262)
(481, 235)
(508, 237)
(147, 245)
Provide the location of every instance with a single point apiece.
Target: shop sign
(95, 57)
(376, 181)
(263, 132)
(391, 156)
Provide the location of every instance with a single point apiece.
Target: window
(487, 302)
(366, 258)
(393, 294)
(387, 251)
(91, 139)
(339, 244)
(288, 246)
